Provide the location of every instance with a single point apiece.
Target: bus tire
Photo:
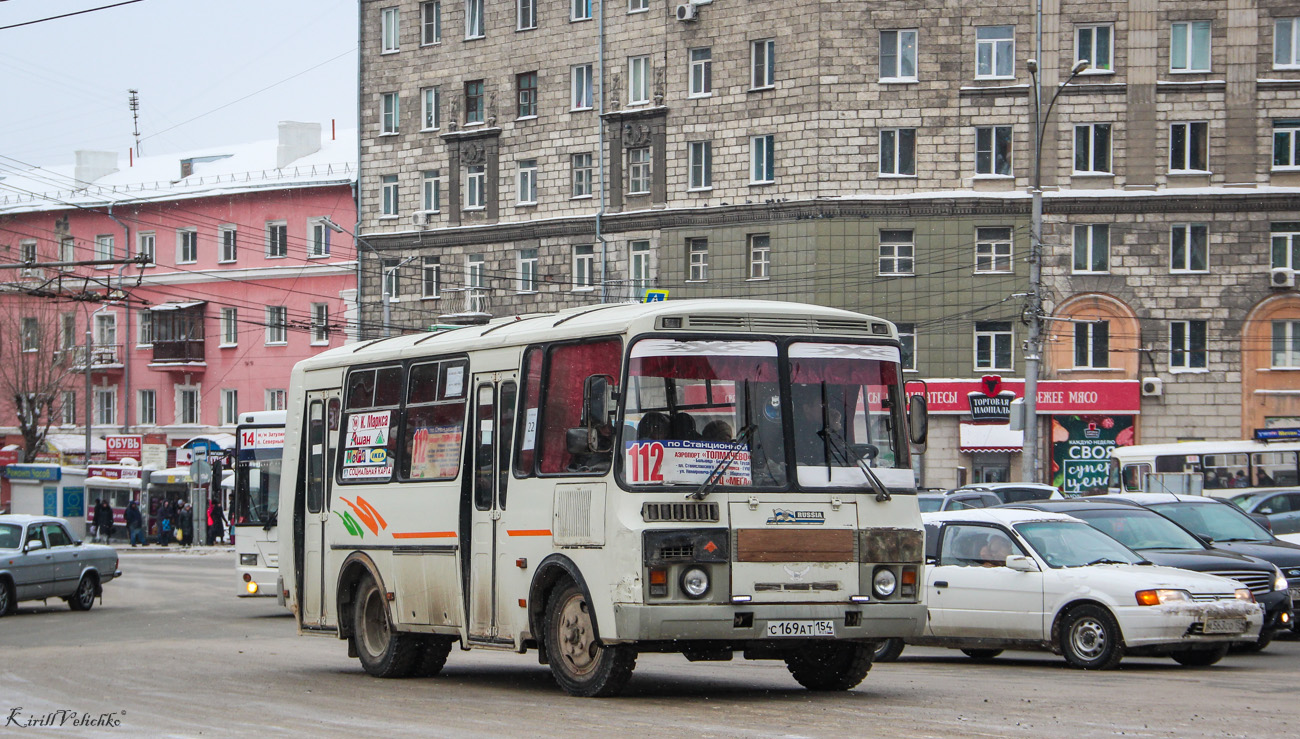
(383, 651)
(580, 663)
(888, 650)
(831, 666)
(433, 655)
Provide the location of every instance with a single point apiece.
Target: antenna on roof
(135, 117)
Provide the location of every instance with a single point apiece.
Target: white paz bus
(259, 448)
(702, 476)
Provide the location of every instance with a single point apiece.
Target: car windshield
(1071, 544)
(1215, 521)
(1139, 530)
(10, 535)
(930, 504)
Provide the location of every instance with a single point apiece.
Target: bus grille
(1258, 582)
(671, 512)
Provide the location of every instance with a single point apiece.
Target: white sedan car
(1017, 579)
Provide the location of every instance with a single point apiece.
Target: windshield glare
(1140, 529)
(1215, 521)
(1070, 544)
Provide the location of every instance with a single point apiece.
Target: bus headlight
(695, 583)
(248, 560)
(884, 583)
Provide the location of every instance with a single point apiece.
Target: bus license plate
(1224, 626)
(800, 628)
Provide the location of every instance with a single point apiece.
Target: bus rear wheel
(580, 663)
(383, 651)
(831, 666)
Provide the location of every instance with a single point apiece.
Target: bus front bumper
(748, 622)
(258, 582)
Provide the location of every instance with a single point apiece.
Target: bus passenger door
(494, 399)
(317, 450)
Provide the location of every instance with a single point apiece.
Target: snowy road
(171, 652)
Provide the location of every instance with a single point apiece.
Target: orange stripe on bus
(426, 535)
(529, 532)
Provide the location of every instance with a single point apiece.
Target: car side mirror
(1021, 563)
(33, 546)
(918, 421)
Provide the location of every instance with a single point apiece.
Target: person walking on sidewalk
(216, 524)
(134, 523)
(165, 516)
(103, 521)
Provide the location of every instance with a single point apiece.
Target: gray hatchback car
(40, 559)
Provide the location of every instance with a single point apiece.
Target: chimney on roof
(91, 165)
(297, 140)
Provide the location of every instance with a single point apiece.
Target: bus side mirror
(597, 397)
(918, 422)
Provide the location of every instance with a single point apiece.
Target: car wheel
(981, 655)
(1258, 645)
(888, 650)
(433, 655)
(1200, 657)
(1090, 639)
(580, 663)
(383, 651)
(831, 666)
(8, 598)
(84, 598)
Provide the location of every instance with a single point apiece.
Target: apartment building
(525, 155)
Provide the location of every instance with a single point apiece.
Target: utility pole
(388, 296)
(135, 118)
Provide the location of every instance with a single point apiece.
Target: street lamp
(1033, 344)
(388, 295)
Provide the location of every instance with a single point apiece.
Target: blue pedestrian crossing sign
(655, 296)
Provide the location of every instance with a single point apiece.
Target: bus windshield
(257, 477)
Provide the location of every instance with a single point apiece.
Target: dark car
(1165, 542)
(1280, 507)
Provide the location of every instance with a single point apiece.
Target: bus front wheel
(831, 666)
(383, 651)
(580, 663)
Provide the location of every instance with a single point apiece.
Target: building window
(474, 101)
(104, 247)
(277, 238)
(431, 191)
(993, 150)
(579, 10)
(474, 281)
(526, 15)
(391, 277)
(584, 267)
(431, 278)
(1189, 247)
(68, 248)
(638, 80)
(1286, 144)
(388, 195)
(389, 30)
(762, 159)
(639, 261)
(1189, 47)
(1286, 344)
(430, 23)
(229, 407)
(105, 406)
(1092, 248)
(229, 242)
(1187, 345)
(995, 52)
(68, 331)
(473, 19)
(30, 334)
(1286, 245)
(992, 250)
(229, 326)
(527, 182)
(145, 247)
(391, 115)
(319, 245)
(582, 172)
(277, 324)
(68, 408)
(1092, 345)
(697, 252)
(144, 328)
(1092, 148)
(701, 72)
(187, 405)
(898, 152)
(1286, 43)
(1094, 44)
(146, 407)
(762, 58)
(187, 246)
(527, 270)
(699, 156)
(526, 87)
(277, 400)
(993, 341)
(580, 76)
(897, 252)
(760, 256)
(26, 252)
(476, 187)
(429, 109)
(1189, 147)
(638, 6)
(638, 171)
(320, 323)
(106, 333)
(907, 337)
(898, 56)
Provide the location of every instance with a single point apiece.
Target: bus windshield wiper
(719, 470)
(882, 492)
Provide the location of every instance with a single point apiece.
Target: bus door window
(506, 428)
(526, 438)
(485, 414)
(315, 457)
(567, 368)
(1225, 470)
(1274, 469)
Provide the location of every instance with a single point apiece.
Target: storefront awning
(977, 437)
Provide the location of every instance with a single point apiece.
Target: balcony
(103, 357)
(469, 306)
(178, 337)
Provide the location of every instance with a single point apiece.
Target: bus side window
(526, 439)
(1134, 476)
(435, 421)
(504, 444)
(567, 368)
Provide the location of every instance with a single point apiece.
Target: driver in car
(995, 552)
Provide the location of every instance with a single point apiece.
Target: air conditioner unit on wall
(419, 218)
(1153, 387)
(687, 12)
(1281, 277)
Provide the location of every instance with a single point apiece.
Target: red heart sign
(992, 385)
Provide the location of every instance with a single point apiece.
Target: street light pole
(1034, 342)
(388, 296)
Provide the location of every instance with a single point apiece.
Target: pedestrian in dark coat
(166, 521)
(134, 523)
(103, 521)
(217, 527)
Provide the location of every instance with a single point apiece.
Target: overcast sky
(201, 67)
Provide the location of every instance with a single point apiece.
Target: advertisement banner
(1081, 449)
(1054, 396)
(123, 446)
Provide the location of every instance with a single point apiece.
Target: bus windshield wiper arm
(719, 470)
(882, 492)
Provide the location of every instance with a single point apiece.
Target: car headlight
(1279, 580)
(884, 582)
(1245, 594)
(695, 583)
(1161, 597)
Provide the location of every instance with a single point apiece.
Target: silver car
(40, 559)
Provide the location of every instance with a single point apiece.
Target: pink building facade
(250, 269)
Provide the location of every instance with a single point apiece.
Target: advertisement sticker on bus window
(455, 381)
(685, 462)
(434, 452)
(366, 457)
(368, 473)
(368, 429)
(530, 429)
